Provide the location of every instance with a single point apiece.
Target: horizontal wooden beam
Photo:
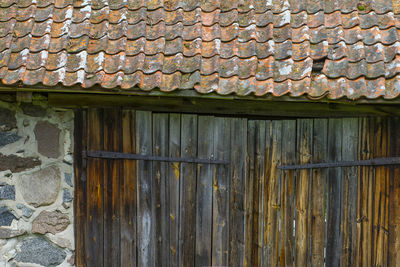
(218, 106)
(190, 93)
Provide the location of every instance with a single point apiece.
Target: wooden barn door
(178, 205)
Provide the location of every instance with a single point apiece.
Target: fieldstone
(68, 179)
(33, 110)
(7, 119)
(67, 197)
(50, 222)
(6, 217)
(72, 259)
(17, 164)
(8, 138)
(7, 191)
(6, 233)
(60, 241)
(40, 188)
(27, 212)
(39, 251)
(47, 137)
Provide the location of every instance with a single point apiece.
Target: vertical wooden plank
(334, 244)
(160, 208)
(303, 194)
(272, 193)
(80, 139)
(249, 194)
(128, 193)
(381, 191)
(220, 230)
(287, 193)
(320, 139)
(188, 192)
(349, 192)
(394, 196)
(237, 194)
(94, 201)
(111, 188)
(145, 231)
(173, 185)
(261, 164)
(364, 206)
(204, 194)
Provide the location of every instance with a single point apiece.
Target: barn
(199, 133)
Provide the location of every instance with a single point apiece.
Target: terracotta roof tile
(243, 47)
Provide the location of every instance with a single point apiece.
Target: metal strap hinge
(366, 162)
(119, 155)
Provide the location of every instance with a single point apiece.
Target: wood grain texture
(364, 206)
(260, 173)
(250, 184)
(237, 193)
(173, 185)
(144, 213)
(381, 192)
(111, 189)
(160, 201)
(303, 194)
(80, 138)
(204, 195)
(95, 184)
(318, 197)
(221, 184)
(349, 193)
(146, 232)
(187, 230)
(129, 193)
(334, 244)
(394, 196)
(271, 192)
(287, 193)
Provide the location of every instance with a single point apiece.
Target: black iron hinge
(366, 162)
(120, 155)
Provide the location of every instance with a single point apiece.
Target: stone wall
(36, 185)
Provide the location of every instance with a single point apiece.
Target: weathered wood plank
(320, 140)
(204, 198)
(160, 208)
(271, 191)
(173, 185)
(349, 193)
(221, 184)
(237, 193)
(145, 233)
(128, 193)
(94, 207)
(80, 137)
(303, 194)
(249, 194)
(111, 190)
(381, 191)
(364, 206)
(287, 193)
(262, 138)
(188, 192)
(334, 243)
(394, 197)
